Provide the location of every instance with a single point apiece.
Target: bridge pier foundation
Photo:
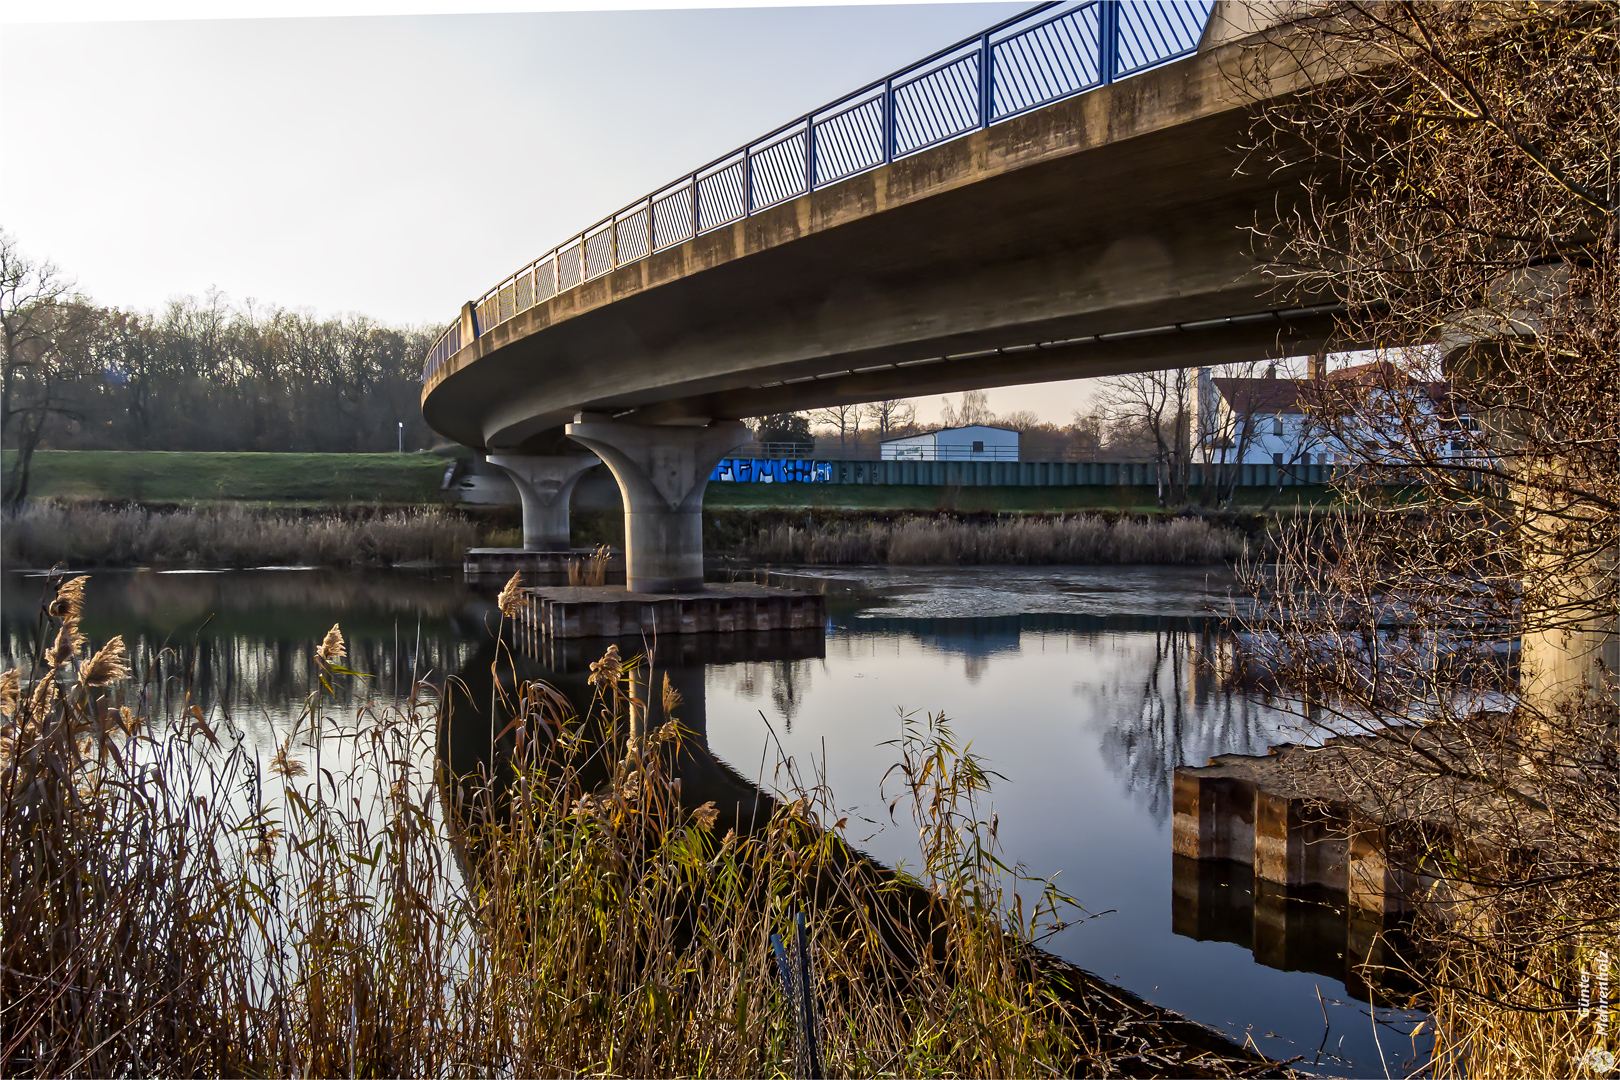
(545, 484)
(662, 471)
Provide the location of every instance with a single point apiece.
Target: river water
(1082, 687)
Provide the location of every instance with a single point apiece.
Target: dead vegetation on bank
(176, 903)
(44, 534)
(1071, 540)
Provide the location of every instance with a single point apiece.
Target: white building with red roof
(1363, 412)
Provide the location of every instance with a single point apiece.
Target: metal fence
(1059, 473)
(744, 468)
(829, 448)
(1051, 52)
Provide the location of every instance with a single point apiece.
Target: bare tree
(889, 414)
(1226, 428)
(1470, 214)
(974, 409)
(845, 420)
(39, 322)
(1160, 402)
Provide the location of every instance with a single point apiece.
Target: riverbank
(161, 477)
(45, 534)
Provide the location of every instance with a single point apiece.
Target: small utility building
(976, 442)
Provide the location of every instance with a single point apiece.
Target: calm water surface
(1083, 687)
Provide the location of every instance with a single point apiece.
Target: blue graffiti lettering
(762, 471)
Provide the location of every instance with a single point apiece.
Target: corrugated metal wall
(1051, 473)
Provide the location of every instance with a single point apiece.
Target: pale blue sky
(397, 165)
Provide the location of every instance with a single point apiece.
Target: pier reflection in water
(1304, 928)
(478, 741)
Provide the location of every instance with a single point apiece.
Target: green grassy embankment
(169, 478)
(160, 478)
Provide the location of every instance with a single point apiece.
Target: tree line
(201, 375)
(857, 431)
(1150, 416)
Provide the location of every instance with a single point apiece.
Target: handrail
(1053, 51)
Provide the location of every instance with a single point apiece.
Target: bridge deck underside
(1119, 211)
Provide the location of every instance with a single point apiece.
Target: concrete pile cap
(1342, 772)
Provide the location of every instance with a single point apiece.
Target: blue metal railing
(1050, 52)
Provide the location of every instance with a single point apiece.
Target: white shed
(976, 442)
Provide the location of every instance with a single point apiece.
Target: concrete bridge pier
(545, 484)
(662, 471)
(1570, 639)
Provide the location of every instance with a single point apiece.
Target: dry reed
(174, 905)
(590, 570)
(1080, 540)
(44, 534)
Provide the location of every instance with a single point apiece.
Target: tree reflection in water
(243, 640)
(1175, 712)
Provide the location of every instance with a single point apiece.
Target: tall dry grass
(1078, 540)
(173, 903)
(590, 570)
(1477, 1033)
(44, 534)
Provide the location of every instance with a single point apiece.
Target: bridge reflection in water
(1086, 715)
(473, 734)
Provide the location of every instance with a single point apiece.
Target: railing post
(748, 182)
(1108, 41)
(987, 82)
(888, 121)
(469, 323)
(809, 154)
(613, 243)
(694, 206)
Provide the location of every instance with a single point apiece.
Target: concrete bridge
(1057, 197)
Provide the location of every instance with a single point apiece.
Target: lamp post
(402, 436)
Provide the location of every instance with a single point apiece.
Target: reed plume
(10, 691)
(332, 648)
(511, 595)
(107, 666)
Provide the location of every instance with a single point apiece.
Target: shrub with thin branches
(1460, 199)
